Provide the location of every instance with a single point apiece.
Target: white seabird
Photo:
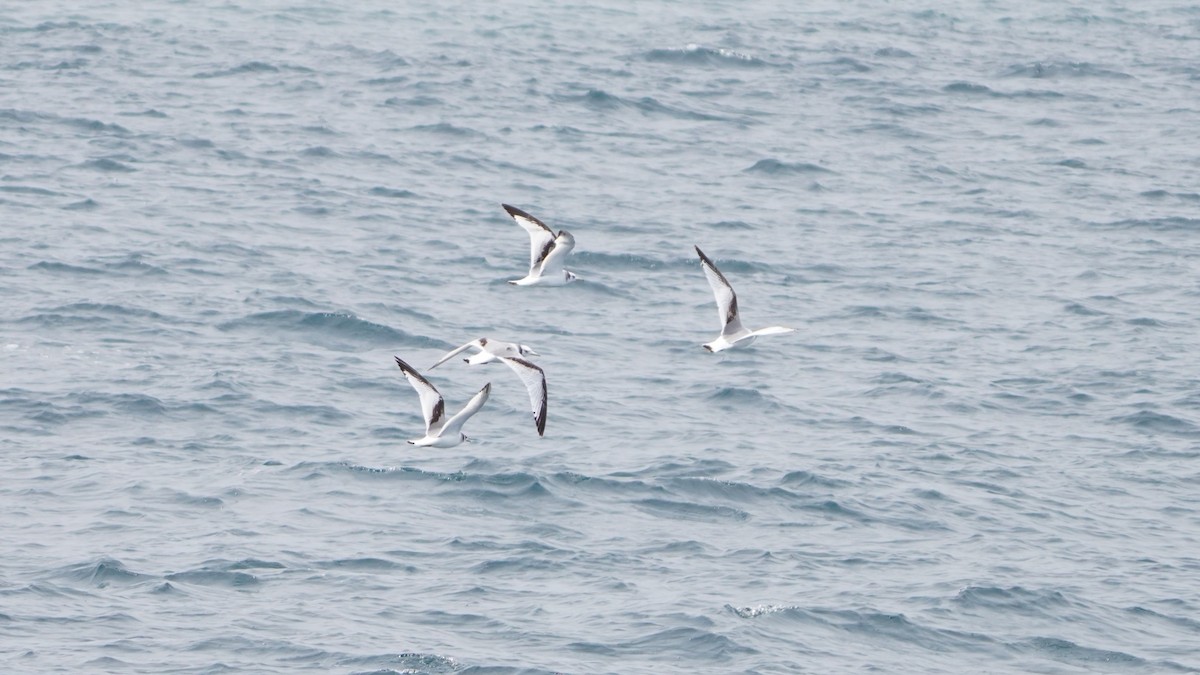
(535, 383)
(489, 350)
(547, 251)
(439, 431)
(733, 334)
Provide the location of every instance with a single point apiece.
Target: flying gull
(512, 355)
(439, 431)
(547, 251)
(489, 350)
(733, 334)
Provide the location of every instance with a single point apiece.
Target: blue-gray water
(220, 220)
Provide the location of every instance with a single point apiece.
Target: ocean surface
(980, 452)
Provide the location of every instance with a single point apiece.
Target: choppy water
(219, 221)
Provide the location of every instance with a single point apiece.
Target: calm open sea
(980, 452)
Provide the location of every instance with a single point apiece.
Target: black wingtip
(514, 211)
(539, 420)
(518, 213)
(541, 415)
(403, 366)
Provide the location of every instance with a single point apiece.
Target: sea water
(219, 222)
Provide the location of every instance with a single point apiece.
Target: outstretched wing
(454, 424)
(432, 405)
(535, 384)
(541, 238)
(772, 330)
(449, 355)
(556, 256)
(726, 299)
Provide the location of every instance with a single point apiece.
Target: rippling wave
(221, 222)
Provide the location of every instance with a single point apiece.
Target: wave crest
(697, 55)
